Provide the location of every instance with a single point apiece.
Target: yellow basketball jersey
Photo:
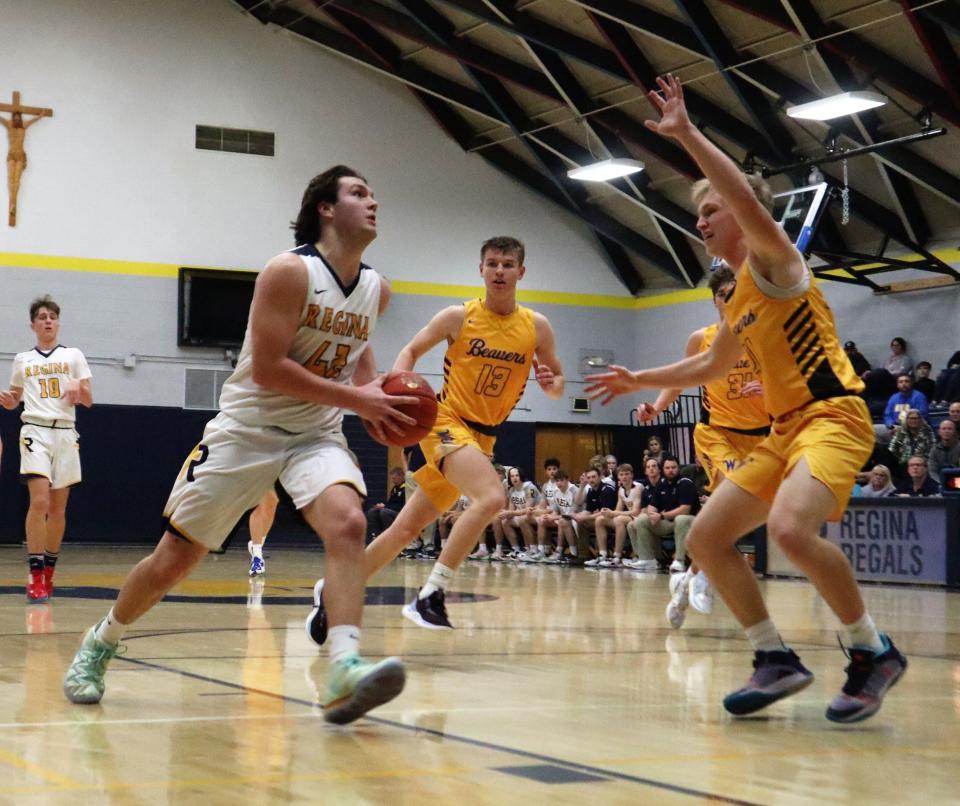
(485, 368)
(794, 343)
(723, 402)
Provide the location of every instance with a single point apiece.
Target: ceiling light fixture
(605, 170)
(835, 106)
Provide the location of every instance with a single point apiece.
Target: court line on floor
(573, 765)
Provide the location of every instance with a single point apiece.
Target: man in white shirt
(51, 380)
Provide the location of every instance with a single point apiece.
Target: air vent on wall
(238, 141)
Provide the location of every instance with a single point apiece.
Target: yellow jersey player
(732, 423)
(821, 432)
(51, 380)
(492, 345)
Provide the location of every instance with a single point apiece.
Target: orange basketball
(424, 411)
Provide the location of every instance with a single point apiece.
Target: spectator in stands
(954, 413)
(627, 508)
(948, 382)
(860, 364)
(448, 518)
(898, 361)
(698, 476)
(549, 486)
(380, 516)
(645, 544)
(670, 512)
(946, 451)
(654, 449)
(919, 484)
(610, 463)
(922, 382)
(564, 506)
(905, 399)
(914, 437)
(594, 495)
(880, 484)
(522, 498)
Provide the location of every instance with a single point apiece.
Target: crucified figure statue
(16, 128)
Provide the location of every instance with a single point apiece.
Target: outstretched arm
(546, 366)
(444, 325)
(647, 411)
(691, 371)
(771, 252)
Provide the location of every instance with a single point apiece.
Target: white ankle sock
(764, 637)
(863, 634)
(344, 642)
(440, 577)
(256, 549)
(110, 631)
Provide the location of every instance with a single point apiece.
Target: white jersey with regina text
(335, 326)
(43, 378)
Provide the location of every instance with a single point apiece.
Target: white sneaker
(481, 553)
(677, 608)
(605, 562)
(596, 561)
(643, 565)
(702, 594)
(677, 566)
(616, 562)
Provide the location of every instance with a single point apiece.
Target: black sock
(36, 563)
(50, 559)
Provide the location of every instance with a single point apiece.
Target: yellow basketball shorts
(721, 450)
(835, 436)
(449, 434)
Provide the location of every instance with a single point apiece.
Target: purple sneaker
(869, 677)
(775, 675)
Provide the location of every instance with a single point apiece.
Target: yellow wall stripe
(406, 287)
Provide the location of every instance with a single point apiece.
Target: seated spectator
(628, 506)
(946, 451)
(610, 474)
(563, 506)
(905, 399)
(878, 386)
(644, 554)
(522, 498)
(380, 516)
(450, 517)
(898, 361)
(594, 495)
(880, 484)
(654, 449)
(699, 477)
(954, 413)
(670, 512)
(919, 484)
(860, 364)
(922, 382)
(913, 438)
(948, 382)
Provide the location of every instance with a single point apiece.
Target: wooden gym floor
(560, 686)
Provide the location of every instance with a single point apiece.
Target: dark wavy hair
(322, 188)
(721, 277)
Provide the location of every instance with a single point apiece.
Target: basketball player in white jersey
(51, 380)
(305, 358)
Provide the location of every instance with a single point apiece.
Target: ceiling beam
(939, 50)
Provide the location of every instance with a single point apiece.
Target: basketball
(424, 411)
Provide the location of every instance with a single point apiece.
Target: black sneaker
(869, 677)
(430, 612)
(316, 625)
(775, 675)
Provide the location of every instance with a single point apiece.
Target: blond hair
(759, 186)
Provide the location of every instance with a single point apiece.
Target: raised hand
(608, 385)
(669, 102)
(646, 412)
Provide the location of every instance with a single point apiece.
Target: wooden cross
(16, 128)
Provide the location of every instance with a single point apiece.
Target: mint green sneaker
(84, 680)
(355, 685)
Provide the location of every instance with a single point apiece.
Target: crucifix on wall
(16, 128)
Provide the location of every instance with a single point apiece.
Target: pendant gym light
(605, 169)
(835, 106)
